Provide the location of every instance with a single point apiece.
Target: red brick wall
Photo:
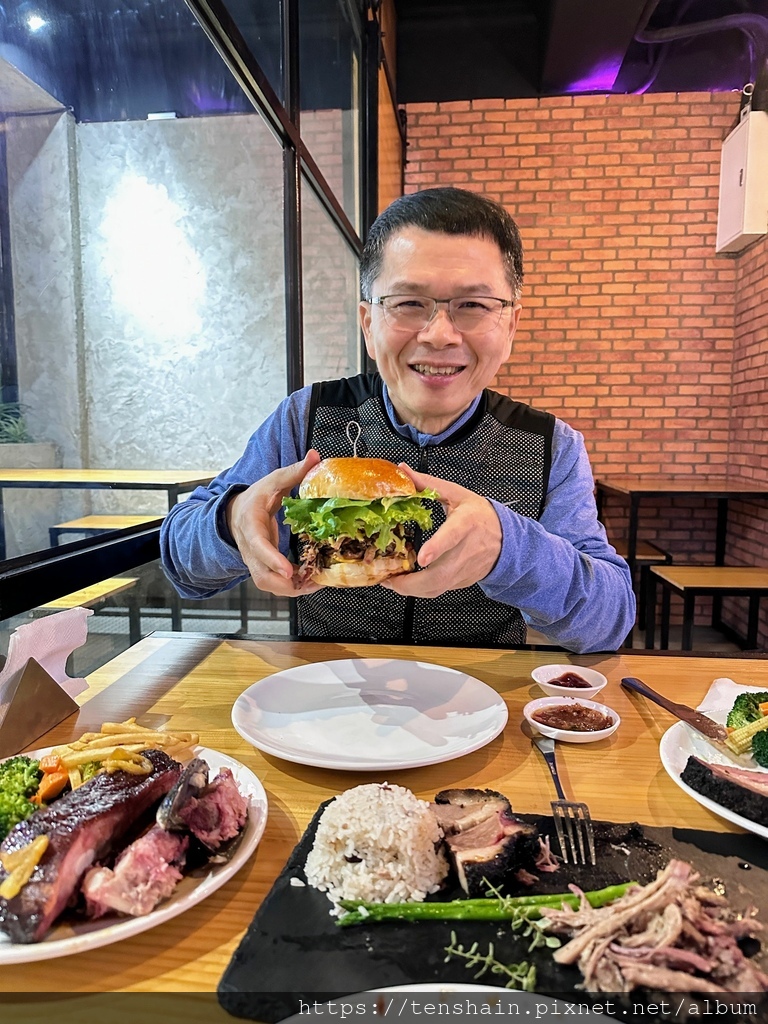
(633, 329)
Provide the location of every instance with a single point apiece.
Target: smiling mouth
(436, 371)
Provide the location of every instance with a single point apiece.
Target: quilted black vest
(502, 452)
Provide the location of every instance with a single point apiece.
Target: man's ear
(514, 318)
(364, 311)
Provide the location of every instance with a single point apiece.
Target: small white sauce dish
(545, 673)
(570, 735)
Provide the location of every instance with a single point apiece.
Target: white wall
(148, 275)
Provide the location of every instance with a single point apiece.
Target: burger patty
(342, 549)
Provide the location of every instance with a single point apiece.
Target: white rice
(379, 843)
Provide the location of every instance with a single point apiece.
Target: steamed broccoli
(19, 779)
(760, 748)
(746, 709)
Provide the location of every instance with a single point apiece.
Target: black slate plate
(295, 951)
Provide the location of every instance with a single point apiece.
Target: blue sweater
(560, 571)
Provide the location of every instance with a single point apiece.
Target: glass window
(143, 289)
(141, 601)
(331, 295)
(259, 24)
(329, 73)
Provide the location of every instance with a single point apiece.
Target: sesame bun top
(355, 478)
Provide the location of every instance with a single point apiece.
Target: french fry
(117, 745)
(20, 864)
(84, 756)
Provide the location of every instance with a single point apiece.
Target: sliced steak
(740, 790)
(218, 814)
(485, 842)
(83, 826)
(146, 872)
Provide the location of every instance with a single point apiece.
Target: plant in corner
(13, 428)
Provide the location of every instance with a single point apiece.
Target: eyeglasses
(470, 313)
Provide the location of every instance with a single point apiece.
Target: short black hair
(454, 211)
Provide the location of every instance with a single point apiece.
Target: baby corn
(740, 740)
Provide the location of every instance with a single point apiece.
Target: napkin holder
(33, 702)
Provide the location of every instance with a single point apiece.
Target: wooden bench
(100, 524)
(95, 594)
(646, 555)
(692, 581)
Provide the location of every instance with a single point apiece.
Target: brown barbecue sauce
(573, 717)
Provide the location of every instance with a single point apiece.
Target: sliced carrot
(51, 784)
(51, 763)
(763, 708)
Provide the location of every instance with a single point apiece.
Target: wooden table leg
(721, 533)
(665, 595)
(752, 624)
(689, 605)
(650, 611)
(632, 552)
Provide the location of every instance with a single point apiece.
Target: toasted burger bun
(355, 478)
(362, 574)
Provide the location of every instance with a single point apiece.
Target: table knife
(699, 721)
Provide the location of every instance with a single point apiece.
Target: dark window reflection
(116, 60)
(329, 60)
(259, 24)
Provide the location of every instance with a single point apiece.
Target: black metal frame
(32, 580)
(9, 378)
(284, 121)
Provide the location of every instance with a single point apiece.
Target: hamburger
(354, 518)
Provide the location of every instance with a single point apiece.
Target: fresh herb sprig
(522, 976)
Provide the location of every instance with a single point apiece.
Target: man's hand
(252, 523)
(462, 551)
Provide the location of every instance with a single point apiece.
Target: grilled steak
(738, 789)
(82, 827)
(485, 841)
(145, 873)
(218, 814)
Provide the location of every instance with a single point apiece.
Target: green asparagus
(499, 909)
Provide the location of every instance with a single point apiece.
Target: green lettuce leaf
(324, 518)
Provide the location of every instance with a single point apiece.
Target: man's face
(433, 375)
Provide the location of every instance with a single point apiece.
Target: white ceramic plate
(369, 714)
(66, 938)
(568, 735)
(678, 743)
(545, 675)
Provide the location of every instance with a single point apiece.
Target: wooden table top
(134, 478)
(191, 681)
(713, 486)
(709, 578)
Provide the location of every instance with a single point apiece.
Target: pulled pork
(672, 934)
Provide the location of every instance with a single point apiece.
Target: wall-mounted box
(742, 214)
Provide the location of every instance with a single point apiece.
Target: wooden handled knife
(699, 721)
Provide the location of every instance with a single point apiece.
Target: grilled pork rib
(738, 789)
(485, 841)
(82, 827)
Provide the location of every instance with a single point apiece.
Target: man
(519, 542)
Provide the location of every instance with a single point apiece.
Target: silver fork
(573, 822)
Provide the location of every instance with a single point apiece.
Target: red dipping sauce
(571, 680)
